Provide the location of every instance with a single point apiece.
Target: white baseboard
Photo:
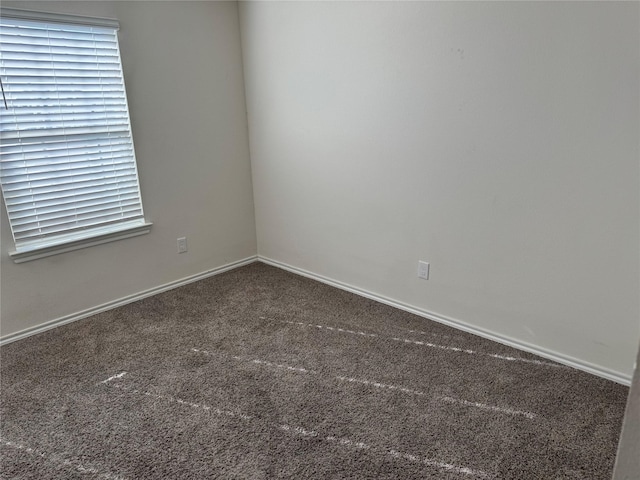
(460, 325)
(12, 337)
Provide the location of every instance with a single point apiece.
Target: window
(67, 163)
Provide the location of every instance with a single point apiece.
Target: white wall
(496, 140)
(183, 72)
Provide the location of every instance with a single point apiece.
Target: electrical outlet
(182, 244)
(423, 270)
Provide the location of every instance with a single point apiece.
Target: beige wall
(184, 78)
(496, 140)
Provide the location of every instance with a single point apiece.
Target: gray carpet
(261, 374)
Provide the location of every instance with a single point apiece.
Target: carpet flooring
(261, 374)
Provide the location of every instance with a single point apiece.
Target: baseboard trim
(458, 324)
(12, 337)
(452, 322)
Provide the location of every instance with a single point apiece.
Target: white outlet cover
(423, 270)
(182, 244)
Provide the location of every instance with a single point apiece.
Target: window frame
(82, 238)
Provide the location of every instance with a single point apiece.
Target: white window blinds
(68, 168)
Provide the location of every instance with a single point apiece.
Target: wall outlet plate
(182, 244)
(423, 270)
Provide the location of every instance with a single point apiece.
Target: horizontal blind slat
(22, 202)
(12, 136)
(24, 119)
(50, 191)
(52, 39)
(69, 174)
(70, 103)
(55, 141)
(79, 211)
(54, 120)
(61, 204)
(61, 50)
(81, 181)
(29, 153)
(8, 55)
(25, 225)
(60, 92)
(77, 225)
(87, 36)
(33, 162)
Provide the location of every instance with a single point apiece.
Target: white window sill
(26, 254)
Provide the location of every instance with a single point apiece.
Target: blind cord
(3, 97)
